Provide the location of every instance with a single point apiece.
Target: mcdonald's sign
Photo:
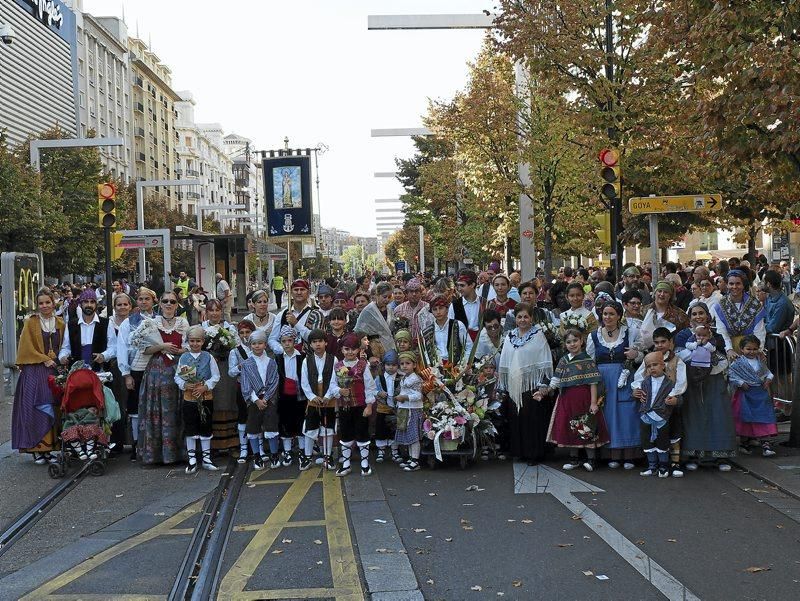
(19, 274)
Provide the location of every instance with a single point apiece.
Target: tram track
(199, 573)
(31, 516)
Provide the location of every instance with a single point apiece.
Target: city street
(496, 529)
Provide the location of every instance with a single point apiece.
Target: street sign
(528, 234)
(780, 246)
(400, 266)
(605, 263)
(141, 242)
(675, 204)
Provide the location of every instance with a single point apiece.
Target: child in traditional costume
(702, 354)
(259, 381)
(388, 385)
(236, 357)
(355, 391)
(577, 421)
(402, 341)
(336, 330)
(409, 410)
(657, 397)
(291, 401)
(196, 375)
(318, 382)
(753, 413)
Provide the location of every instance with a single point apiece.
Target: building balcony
(138, 82)
(193, 195)
(139, 132)
(138, 107)
(140, 157)
(192, 173)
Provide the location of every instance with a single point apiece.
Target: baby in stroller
(88, 408)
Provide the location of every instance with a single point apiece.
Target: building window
(708, 241)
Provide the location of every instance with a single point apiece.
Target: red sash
(290, 387)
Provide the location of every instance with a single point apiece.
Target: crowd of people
(670, 376)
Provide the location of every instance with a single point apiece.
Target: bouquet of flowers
(344, 379)
(219, 341)
(188, 373)
(574, 321)
(585, 426)
(146, 335)
(550, 331)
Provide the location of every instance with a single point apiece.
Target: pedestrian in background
(278, 285)
(225, 296)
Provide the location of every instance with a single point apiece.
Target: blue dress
(620, 410)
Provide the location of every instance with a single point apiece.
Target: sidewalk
(782, 471)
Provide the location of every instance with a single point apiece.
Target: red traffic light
(106, 190)
(609, 157)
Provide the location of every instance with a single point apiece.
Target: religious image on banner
(288, 182)
(287, 187)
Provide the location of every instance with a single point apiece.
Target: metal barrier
(783, 363)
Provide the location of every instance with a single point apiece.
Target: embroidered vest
(454, 341)
(99, 339)
(313, 376)
(202, 364)
(286, 386)
(357, 388)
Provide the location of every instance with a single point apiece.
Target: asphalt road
(722, 536)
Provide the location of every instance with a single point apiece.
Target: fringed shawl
(526, 363)
(31, 343)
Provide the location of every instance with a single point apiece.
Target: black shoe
(412, 466)
(258, 463)
(275, 461)
(344, 470)
(133, 456)
(366, 471)
(305, 462)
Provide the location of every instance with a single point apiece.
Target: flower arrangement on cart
(458, 405)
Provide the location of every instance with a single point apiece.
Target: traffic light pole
(109, 276)
(616, 204)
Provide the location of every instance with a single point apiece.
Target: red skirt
(571, 402)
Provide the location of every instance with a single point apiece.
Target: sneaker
(628, 465)
(403, 464)
(412, 466)
(242, 454)
(304, 463)
(648, 472)
(275, 461)
(571, 465)
(39, 459)
(286, 459)
(396, 457)
(766, 450)
(380, 456)
(664, 472)
(344, 470)
(588, 466)
(329, 463)
(366, 471)
(677, 472)
(258, 463)
(613, 464)
(691, 466)
(724, 467)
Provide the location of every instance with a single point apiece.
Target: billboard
(287, 186)
(20, 282)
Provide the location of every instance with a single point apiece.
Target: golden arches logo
(26, 289)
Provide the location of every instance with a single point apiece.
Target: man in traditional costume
(90, 338)
(301, 314)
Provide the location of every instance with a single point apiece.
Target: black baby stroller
(88, 408)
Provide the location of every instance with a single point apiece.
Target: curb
(766, 479)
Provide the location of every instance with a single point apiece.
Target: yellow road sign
(700, 203)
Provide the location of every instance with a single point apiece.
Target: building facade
(38, 71)
(104, 89)
(389, 215)
(248, 182)
(153, 123)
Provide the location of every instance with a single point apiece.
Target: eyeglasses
(492, 327)
(169, 301)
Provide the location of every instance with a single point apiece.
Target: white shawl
(371, 322)
(526, 363)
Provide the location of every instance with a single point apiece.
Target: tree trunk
(751, 242)
(547, 236)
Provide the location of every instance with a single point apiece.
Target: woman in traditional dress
(708, 433)
(739, 314)
(501, 302)
(262, 319)
(122, 306)
(611, 346)
(226, 411)
(34, 427)
(663, 312)
(525, 366)
(575, 296)
(159, 399)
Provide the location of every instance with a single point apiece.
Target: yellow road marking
(295, 524)
(343, 561)
(279, 481)
(299, 593)
(83, 568)
(83, 597)
(245, 566)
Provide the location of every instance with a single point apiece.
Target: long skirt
(621, 410)
(749, 429)
(159, 409)
(571, 402)
(708, 431)
(413, 431)
(118, 428)
(528, 428)
(226, 411)
(34, 427)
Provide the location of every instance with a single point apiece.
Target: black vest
(313, 376)
(282, 372)
(461, 315)
(454, 340)
(99, 337)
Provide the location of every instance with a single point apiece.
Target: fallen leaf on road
(373, 568)
(380, 521)
(160, 513)
(602, 577)
(383, 551)
(277, 551)
(286, 540)
(431, 494)
(672, 540)
(471, 487)
(419, 530)
(517, 583)
(564, 545)
(640, 542)
(251, 485)
(118, 496)
(501, 594)
(429, 581)
(511, 520)
(588, 573)
(576, 517)
(467, 504)
(416, 504)
(754, 569)
(754, 490)
(317, 542)
(779, 525)
(476, 588)
(527, 521)
(319, 563)
(448, 540)
(429, 536)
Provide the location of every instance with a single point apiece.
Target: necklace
(609, 333)
(260, 320)
(48, 324)
(169, 322)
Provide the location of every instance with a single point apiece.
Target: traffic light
(116, 249)
(610, 175)
(604, 221)
(106, 204)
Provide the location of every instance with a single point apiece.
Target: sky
(310, 70)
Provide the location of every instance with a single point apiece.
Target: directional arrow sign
(540, 479)
(699, 203)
